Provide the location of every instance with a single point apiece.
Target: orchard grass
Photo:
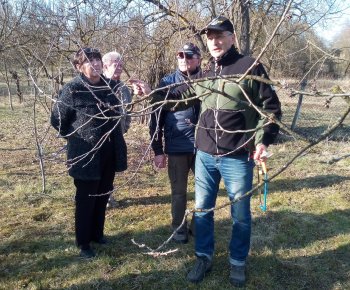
(301, 242)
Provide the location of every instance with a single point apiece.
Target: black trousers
(91, 200)
(179, 167)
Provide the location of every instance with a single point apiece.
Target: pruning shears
(262, 170)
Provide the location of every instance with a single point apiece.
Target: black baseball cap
(190, 48)
(219, 23)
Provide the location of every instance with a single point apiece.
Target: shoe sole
(181, 241)
(87, 256)
(83, 257)
(200, 280)
(100, 243)
(237, 284)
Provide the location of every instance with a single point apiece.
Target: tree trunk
(8, 87)
(9, 95)
(245, 28)
(38, 143)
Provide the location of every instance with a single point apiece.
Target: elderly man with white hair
(112, 69)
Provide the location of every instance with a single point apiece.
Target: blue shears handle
(263, 206)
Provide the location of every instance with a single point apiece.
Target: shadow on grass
(293, 230)
(28, 254)
(319, 181)
(122, 265)
(22, 173)
(23, 260)
(148, 200)
(27, 257)
(160, 280)
(326, 270)
(4, 183)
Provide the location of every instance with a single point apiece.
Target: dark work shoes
(112, 203)
(202, 266)
(237, 276)
(181, 237)
(86, 252)
(101, 241)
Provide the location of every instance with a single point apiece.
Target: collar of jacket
(191, 76)
(229, 57)
(102, 82)
(108, 80)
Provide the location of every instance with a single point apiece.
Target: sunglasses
(182, 55)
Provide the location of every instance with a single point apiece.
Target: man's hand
(160, 161)
(261, 153)
(140, 87)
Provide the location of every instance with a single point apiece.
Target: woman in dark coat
(87, 115)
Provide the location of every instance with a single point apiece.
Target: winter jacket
(226, 114)
(124, 96)
(177, 127)
(84, 114)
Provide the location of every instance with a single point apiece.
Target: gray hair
(112, 55)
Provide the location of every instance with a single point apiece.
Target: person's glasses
(182, 55)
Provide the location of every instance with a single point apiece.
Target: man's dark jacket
(178, 127)
(84, 115)
(228, 122)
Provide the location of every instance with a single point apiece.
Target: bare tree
(40, 37)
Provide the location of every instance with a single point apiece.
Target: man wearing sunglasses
(172, 133)
(229, 130)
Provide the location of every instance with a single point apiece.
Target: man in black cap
(172, 133)
(230, 135)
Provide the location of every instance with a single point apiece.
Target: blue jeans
(237, 173)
